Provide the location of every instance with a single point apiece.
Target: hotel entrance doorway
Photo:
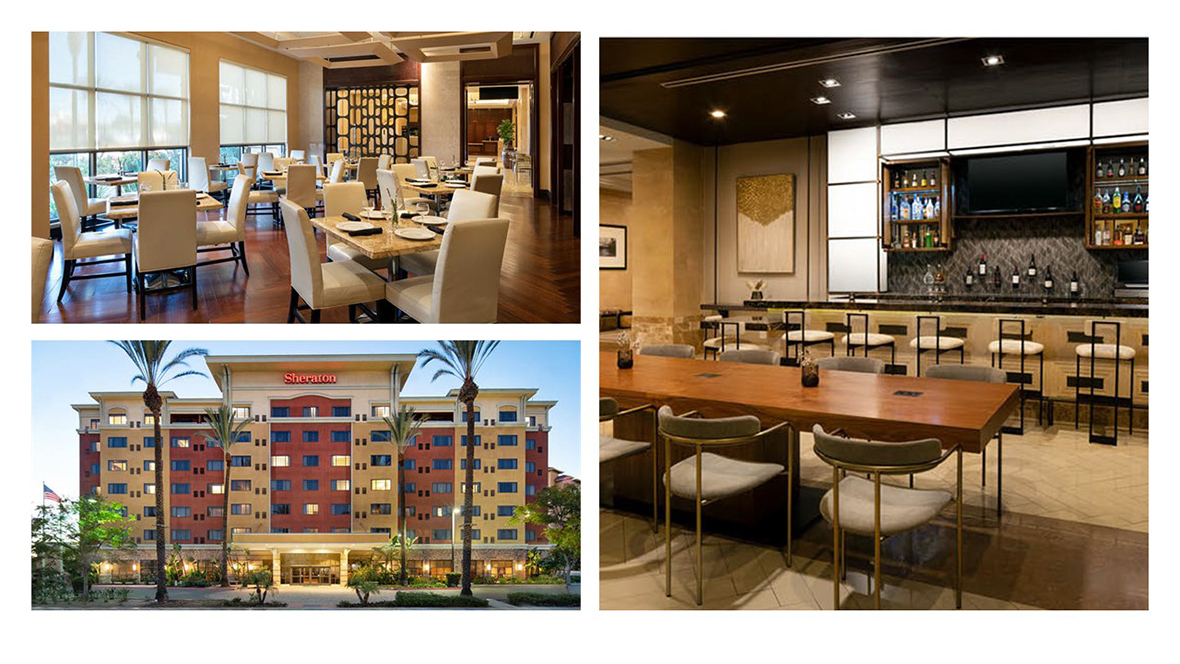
(310, 569)
(309, 575)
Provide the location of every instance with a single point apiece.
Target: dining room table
(124, 208)
(116, 180)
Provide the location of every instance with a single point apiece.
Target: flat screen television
(1021, 183)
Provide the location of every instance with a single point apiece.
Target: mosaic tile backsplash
(1056, 242)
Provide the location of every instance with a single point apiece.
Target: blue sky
(64, 372)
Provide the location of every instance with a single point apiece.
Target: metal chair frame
(937, 350)
(655, 441)
(1094, 338)
(849, 345)
(802, 344)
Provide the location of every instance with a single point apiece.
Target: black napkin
(428, 185)
(115, 203)
(408, 215)
(366, 231)
(350, 217)
(438, 230)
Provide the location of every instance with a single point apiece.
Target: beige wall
(40, 134)
(614, 286)
(542, 163)
(311, 103)
(441, 110)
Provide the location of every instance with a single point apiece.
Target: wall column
(667, 249)
(344, 567)
(276, 567)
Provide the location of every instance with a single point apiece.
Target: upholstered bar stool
(1020, 343)
(868, 507)
(612, 448)
(978, 374)
(706, 478)
(1116, 352)
(867, 340)
(669, 350)
(800, 338)
(938, 343)
(729, 337)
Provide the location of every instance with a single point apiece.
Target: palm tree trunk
(468, 497)
(152, 400)
(401, 513)
(225, 518)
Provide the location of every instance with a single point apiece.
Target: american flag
(50, 495)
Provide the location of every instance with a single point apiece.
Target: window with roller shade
(253, 110)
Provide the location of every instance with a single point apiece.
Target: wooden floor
(540, 279)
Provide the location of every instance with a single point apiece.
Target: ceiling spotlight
(993, 60)
(820, 100)
(717, 114)
(846, 115)
(829, 82)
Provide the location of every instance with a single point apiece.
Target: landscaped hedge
(407, 599)
(542, 599)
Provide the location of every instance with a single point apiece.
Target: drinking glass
(423, 209)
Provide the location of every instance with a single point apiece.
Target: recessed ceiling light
(718, 113)
(829, 82)
(993, 60)
(821, 100)
(846, 115)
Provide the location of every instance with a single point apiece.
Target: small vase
(626, 358)
(756, 295)
(809, 373)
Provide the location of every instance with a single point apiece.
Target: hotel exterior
(314, 482)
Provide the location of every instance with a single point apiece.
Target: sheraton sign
(308, 379)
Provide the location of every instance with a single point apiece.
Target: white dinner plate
(347, 226)
(433, 221)
(414, 233)
(456, 185)
(372, 214)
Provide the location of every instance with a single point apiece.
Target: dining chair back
(297, 155)
(669, 350)
(971, 372)
(239, 203)
(67, 213)
(383, 162)
(422, 170)
(307, 277)
(198, 174)
(488, 183)
(333, 157)
(366, 172)
(471, 205)
(266, 162)
(337, 173)
(467, 281)
(431, 167)
(151, 181)
(485, 161)
(85, 205)
(159, 164)
(851, 363)
(301, 185)
(42, 256)
(315, 160)
(77, 244)
(344, 197)
(283, 163)
(387, 186)
(167, 235)
(248, 164)
(751, 356)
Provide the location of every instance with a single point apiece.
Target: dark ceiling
(882, 80)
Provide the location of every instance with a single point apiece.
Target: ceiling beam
(498, 45)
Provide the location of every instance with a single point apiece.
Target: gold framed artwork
(766, 223)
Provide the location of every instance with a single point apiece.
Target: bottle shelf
(1103, 216)
(1120, 182)
(915, 249)
(916, 190)
(916, 222)
(1116, 246)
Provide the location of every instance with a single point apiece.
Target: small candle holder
(809, 371)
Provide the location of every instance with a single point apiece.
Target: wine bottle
(1143, 166)
(1075, 286)
(929, 211)
(1122, 168)
(1032, 266)
(969, 280)
(1048, 284)
(1015, 278)
(982, 265)
(934, 177)
(1100, 171)
(924, 178)
(1109, 169)
(996, 279)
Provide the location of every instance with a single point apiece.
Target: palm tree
(149, 358)
(224, 430)
(463, 359)
(402, 429)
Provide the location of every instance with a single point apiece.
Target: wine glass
(423, 209)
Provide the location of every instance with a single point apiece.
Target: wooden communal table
(120, 213)
(875, 406)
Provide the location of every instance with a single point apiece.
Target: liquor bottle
(1098, 232)
(1015, 278)
(892, 208)
(916, 212)
(982, 265)
(1097, 201)
(1127, 204)
(1099, 171)
(1143, 166)
(928, 279)
(1075, 286)
(996, 279)
(1032, 267)
(969, 280)
(1048, 283)
(896, 180)
(1109, 169)
(904, 211)
(1106, 202)
(937, 208)
(924, 180)
(1116, 201)
(1106, 232)
(929, 211)
(934, 177)
(1122, 168)
(1137, 206)
(914, 179)
(937, 239)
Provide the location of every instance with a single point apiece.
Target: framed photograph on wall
(612, 247)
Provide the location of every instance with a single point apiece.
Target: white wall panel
(1045, 124)
(852, 155)
(852, 265)
(927, 136)
(1113, 118)
(852, 210)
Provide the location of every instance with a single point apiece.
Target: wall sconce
(519, 566)
(134, 567)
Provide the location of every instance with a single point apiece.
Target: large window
(116, 101)
(253, 106)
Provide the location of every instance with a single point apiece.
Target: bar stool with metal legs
(611, 448)
(719, 344)
(868, 507)
(1094, 350)
(938, 343)
(1020, 343)
(800, 338)
(706, 478)
(979, 374)
(866, 339)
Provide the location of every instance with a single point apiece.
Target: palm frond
(224, 426)
(403, 426)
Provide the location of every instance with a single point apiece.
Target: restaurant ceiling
(350, 50)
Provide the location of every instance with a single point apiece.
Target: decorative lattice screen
(371, 120)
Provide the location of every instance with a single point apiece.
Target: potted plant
(507, 131)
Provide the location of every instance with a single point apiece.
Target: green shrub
(542, 599)
(407, 599)
(453, 579)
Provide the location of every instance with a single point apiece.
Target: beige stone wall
(442, 111)
(614, 208)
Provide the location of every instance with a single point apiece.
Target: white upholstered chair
(489, 183)
(166, 240)
(198, 177)
(266, 162)
(228, 233)
(157, 181)
(407, 200)
(159, 164)
(387, 189)
(297, 155)
(485, 170)
(301, 186)
(384, 161)
(78, 245)
(87, 208)
(431, 167)
(422, 170)
(348, 197)
(248, 165)
(336, 172)
(283, 163)
(465, 286)
(485, 161)
(464, 205)
(333, 157)
(322, 285)
(366, 174)
(42, 256)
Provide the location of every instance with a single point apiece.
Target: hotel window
(409, 510)
(149, 511)
(240, 485)
(280, 411)
(530, 535)
(531, 420)
(280, 461)
(311, 411)
(341, 460)
(505, 510)
(506, 534)
(149, 420)
(381, 460)
(243, 437)
(116, 466)
(341, 485)
(181, 535)
(409, 464)
(442, 464)
(441, 487)
(463, 441)
(182, 465)
(215, 535)
(116, 488)
(463, 415)
(443, 534)
(409, 487)
(216, 489)
(181, 488)
(311, 530)
(281, 531)
(341, 411)
(241, 509)
(95, 446)
(280, 436)
(216, 512)
(442, 510)
(117, 419)
(311, 508)
(476, 511)
(117, 441)
(94, 423)
(311, 485)
(311, 460)
(182, 512)
(179, 441)
(240, 530)
(530, 489)
(506, 441)
(508, 416)
(280, 485)
(215, 465)
(378, 508)
(253, 106)
(380, 411)
(506, 464)
(341, 509)
(380, 485)
(94, 468)
(474, 534)
(340, 436)
(149, 489)
(476, 487)
(149, 441)
(381, 436)
(530, 466)
(311, 436)
(241, 412)
(280, 508)
(442, 441)
(530, 443)
(463, 464)
(150, 535)
(506, 487)
(240, 461)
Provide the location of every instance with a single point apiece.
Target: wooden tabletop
(864, 405)
(282, 177)
(385, 245)
(227, 167)
(438, 189)
(122, 180)
(205, 203)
